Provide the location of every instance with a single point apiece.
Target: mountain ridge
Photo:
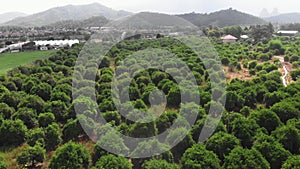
(5, 17)
(222, 18)
(293, 17)
(77, 13)
(68, 12)
(95, 21)
(150, 20)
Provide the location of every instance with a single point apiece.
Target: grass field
(10, 155)
(9, 61)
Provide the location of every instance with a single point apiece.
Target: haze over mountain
(285, 18)
(79, 15)
(10, 15)
(150, 20)
(96, 21)
(265, 13)
(69, 12)
(222, 18)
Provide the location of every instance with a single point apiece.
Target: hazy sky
(165, 6)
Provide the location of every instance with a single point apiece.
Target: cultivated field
(9, 61)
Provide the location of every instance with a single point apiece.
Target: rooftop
(229, 37)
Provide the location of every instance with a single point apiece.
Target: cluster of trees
(292, 52)
(36, 107)
(291, 26)
(236, 31)
(259, 128)
(257, 33)
(257, 59)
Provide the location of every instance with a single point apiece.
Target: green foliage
(60, 96)
(104, 62)
(244, 129)
(240, 158)
(6, 111)
(286, 110)
(139, 104)
(289, 137)
(40, 95)
(213, 124)
(2, 163)
(31, 156)
(274, 97)
(267, 119)
(225, 61)
(111, 141)
(12, 133)
(295, 74)
(165, 121)
(69, 156)
(263, 57)
(260, 32)
(249, 95)
(28, 116)
(52, 136)
(45, 119)
(58, 108)
(252, 64)
(148, 147)
(112, 116)
(234, 102)
(272, 150)
(72, 130)
(112, 162)
(185, 143)
(155, 164)
(12, 99)
(277, 46)
(35, 136)
(173, 97)
(34, 102)
(197, 157)
(43, 90)
(234, 30)
(293, 162)
(143, 130)
(222, 143)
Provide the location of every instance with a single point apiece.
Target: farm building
(58, 43)
(288, 33)
(28, 46)
(229, 39)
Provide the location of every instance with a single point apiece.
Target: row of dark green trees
(260, 126)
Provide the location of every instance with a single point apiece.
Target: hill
(69, 12)
(96, 21)
(150, 20)
(10, 15)
(222, 18)
(285, 18)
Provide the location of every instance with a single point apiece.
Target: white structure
(43, 48)
(14, 47)
(229, 39)
(244, 36)
(60, 43)
(288, 33)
